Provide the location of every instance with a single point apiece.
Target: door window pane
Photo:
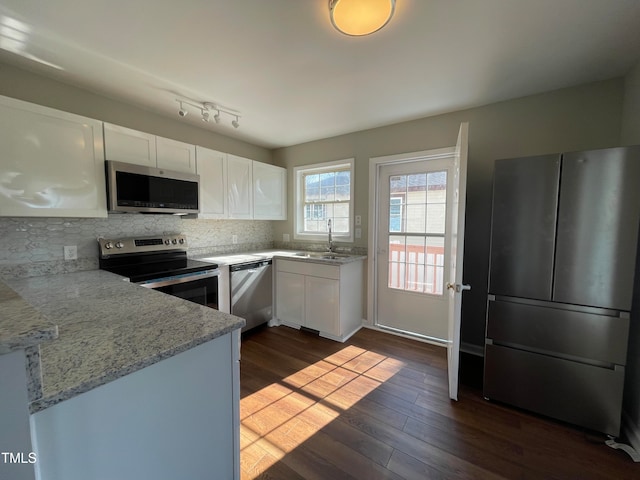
(417, 208)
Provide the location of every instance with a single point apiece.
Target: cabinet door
(212, 168)
(290, 297)
(175, 155)
(51, 162)
(322, 304)
(269, 192)
(126, 145)
(239, 185)
(525, 202)
(598, 220)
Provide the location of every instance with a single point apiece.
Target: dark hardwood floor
(377, 407)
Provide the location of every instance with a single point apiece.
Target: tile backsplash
(34, 246)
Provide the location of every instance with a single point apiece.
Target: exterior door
(419, 244)
(413, 240)
(455, 286)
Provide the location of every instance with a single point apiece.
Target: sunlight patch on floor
(280, 417)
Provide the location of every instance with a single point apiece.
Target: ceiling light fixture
(360, 17)
(205, 110)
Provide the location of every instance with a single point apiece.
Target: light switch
(358, 233)
(234, 239)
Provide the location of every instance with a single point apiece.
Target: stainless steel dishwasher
(251, 287)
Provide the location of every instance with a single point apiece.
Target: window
(324, 192)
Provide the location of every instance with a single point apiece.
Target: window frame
(299, 204)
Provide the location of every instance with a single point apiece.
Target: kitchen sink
(323, 255)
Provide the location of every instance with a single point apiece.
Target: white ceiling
(295, 79)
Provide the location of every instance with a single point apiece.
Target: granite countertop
(21, 326)
(109, 328)
(299, 255)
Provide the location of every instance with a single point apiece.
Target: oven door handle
(174, 280)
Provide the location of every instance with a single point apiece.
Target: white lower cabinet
(290, 297)
(322, 297)
(51, 162)
(322, 304)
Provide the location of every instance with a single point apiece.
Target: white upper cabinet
(240, 187)
(269, 192)
(175, 155)
(212, 168)
(131, 146)
(51, 162)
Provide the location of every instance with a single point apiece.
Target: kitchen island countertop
(21, 326)
(109, 328)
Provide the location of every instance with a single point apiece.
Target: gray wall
(31, 87)
(584, 117)
(631, 136)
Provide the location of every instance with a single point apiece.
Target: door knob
(458, 287)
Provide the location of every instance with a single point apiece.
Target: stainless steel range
(161, 263)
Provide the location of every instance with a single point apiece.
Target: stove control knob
(119, 245)
(167, 241)
(181, 241)
(108, 245)
(174, 241)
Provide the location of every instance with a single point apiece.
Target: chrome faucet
(330, 239)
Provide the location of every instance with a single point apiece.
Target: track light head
(205, 115)
(216, 117)
(182, 112)
(235, 123)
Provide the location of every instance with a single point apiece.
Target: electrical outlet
(70, 252)
(358, 219)
(234, 239)
(286, 237)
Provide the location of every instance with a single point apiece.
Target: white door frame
(375, 164)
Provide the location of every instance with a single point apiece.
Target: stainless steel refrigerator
(562, 269)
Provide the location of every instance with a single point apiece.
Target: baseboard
(411, 337)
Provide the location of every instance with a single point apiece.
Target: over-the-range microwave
(136, 188)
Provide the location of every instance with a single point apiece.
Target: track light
(205, 110)
(182, 112)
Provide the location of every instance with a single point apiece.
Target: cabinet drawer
(597, 337)
(308, 268)
(573, 392)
